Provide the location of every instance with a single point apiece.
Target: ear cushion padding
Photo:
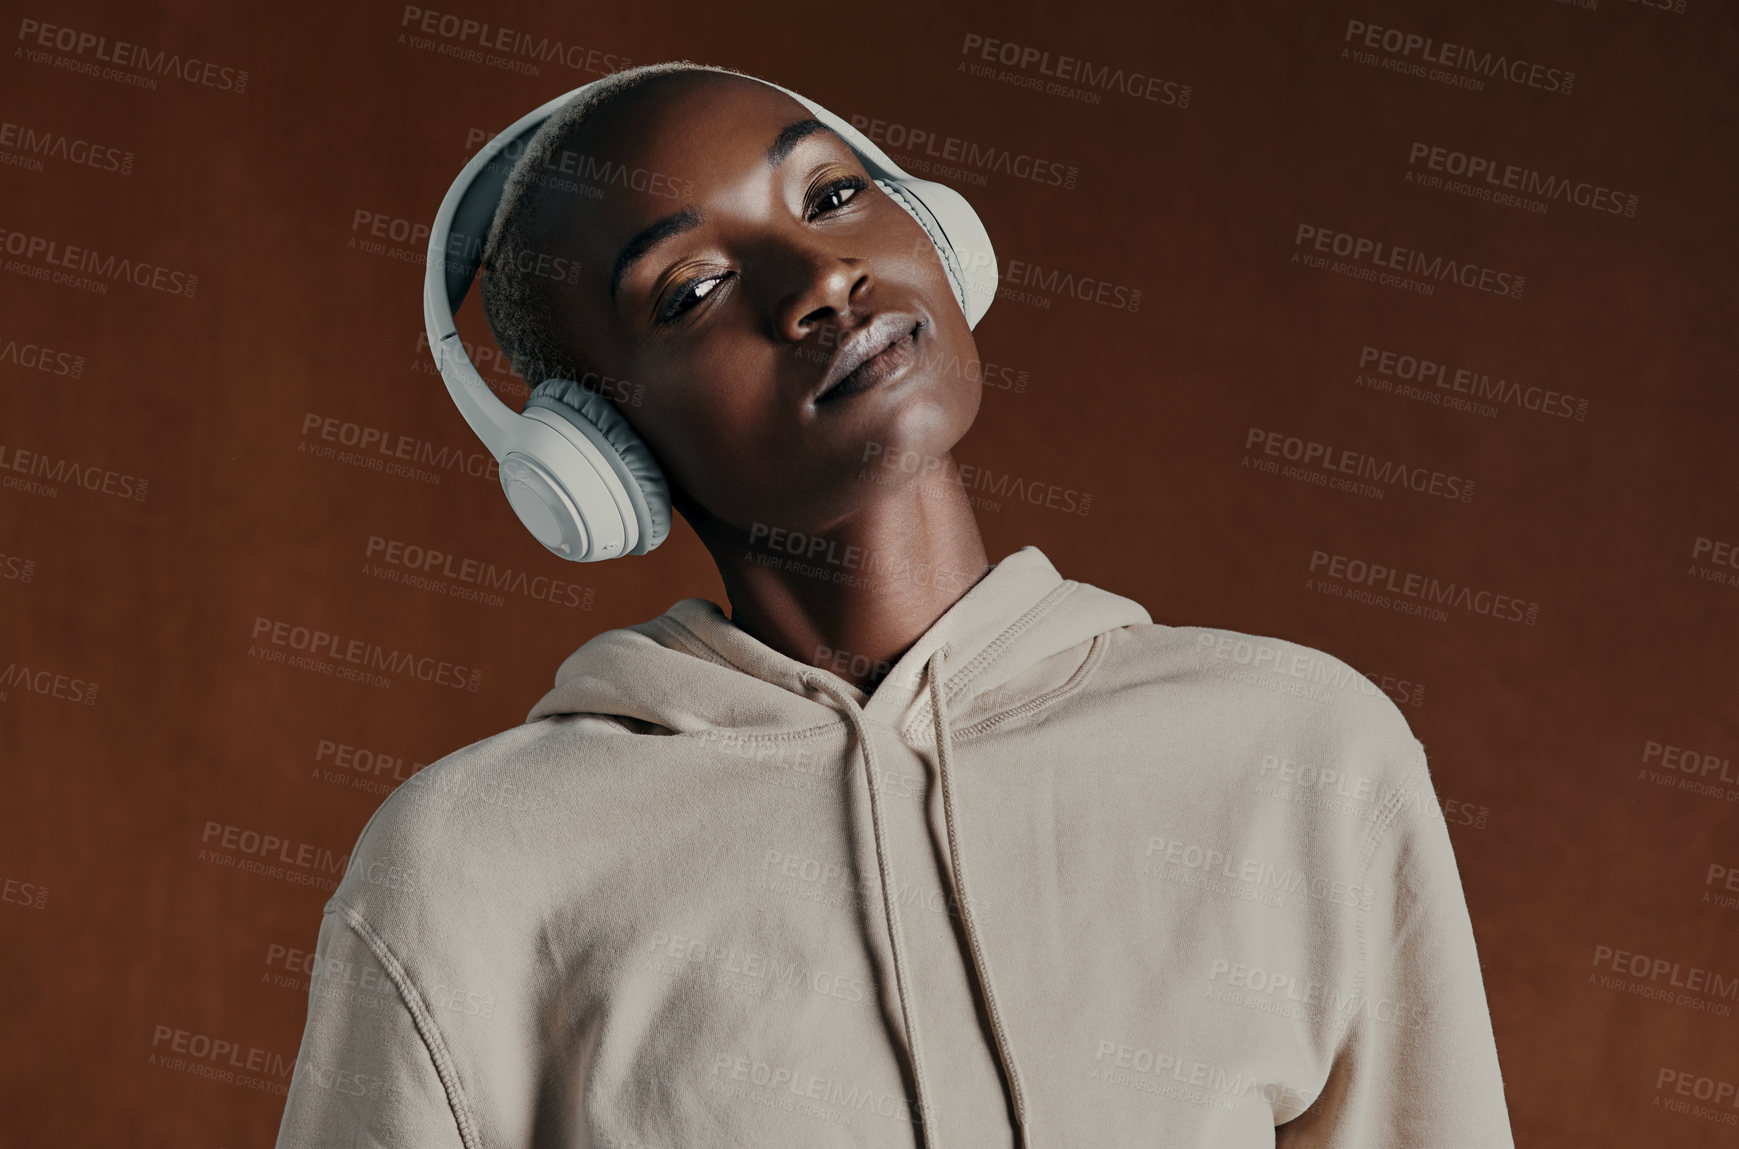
(597, 418)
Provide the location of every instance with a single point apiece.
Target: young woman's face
(753, 266)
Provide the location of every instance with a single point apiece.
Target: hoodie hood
(1020, 613)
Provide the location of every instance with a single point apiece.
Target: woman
(910, 848)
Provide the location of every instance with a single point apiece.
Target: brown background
(1541, 728)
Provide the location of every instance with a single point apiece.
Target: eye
(832, 196)
(687, 295)
(828, 198)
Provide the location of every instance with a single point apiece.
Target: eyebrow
(675, 224)
(648, 238)
(791, 135)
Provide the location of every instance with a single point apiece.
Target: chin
(912, 438)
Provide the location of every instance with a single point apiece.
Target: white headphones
(575, 472)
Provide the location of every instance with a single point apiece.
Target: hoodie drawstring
(890, 904)
(944, 757)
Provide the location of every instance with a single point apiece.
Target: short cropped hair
(519, 302)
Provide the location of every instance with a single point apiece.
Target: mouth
(870, 355)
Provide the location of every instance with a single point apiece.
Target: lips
(868, 355)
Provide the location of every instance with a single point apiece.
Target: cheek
(905, 248)
(909, 257)
(710, 417)
(904, 238)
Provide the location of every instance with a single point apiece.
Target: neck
(852, 597)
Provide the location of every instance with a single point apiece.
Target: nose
(818, 285)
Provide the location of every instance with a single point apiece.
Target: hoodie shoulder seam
(1373, 839)
(421, 1018)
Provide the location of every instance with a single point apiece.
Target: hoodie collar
(692, 668)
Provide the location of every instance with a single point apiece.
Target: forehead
(668, 144)
(683, 119)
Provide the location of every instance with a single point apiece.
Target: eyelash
(832, 187)
(670, 312)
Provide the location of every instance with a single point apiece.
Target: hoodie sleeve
(1417, 1065)
(367, 1073)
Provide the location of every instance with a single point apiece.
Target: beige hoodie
(1150, 885)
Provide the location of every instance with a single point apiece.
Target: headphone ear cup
(647, 488)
